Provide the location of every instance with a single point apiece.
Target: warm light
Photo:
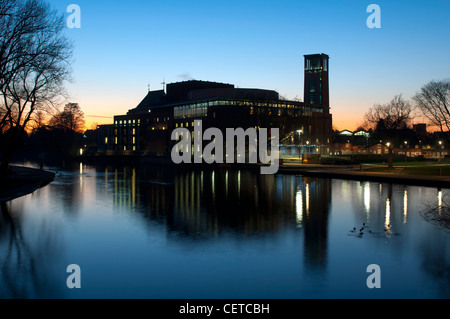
(299, 208)
(387, 220)
(367, 197)
(405, 206)
(81, 151)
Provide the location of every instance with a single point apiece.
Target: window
(106, 140)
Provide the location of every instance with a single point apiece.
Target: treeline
(60, 137)
(392, 122)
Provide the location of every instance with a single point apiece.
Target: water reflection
(234, 231)
(438, 213)
(26, 257)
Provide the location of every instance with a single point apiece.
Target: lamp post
(307, 147)
(406, 151)
(299, 143)
(388, 144)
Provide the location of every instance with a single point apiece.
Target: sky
(122, 47)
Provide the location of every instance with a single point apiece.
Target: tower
(316, 90)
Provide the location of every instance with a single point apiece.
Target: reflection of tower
(315, 223)
(316, 81)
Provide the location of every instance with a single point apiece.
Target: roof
(153, 98)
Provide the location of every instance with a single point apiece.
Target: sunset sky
(123, 46)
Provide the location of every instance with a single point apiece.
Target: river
(142, 232)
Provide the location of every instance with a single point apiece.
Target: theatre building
(305, 127)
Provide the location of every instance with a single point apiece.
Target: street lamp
(307, 147)
(299, 132)
(406, 151)
(388, 144)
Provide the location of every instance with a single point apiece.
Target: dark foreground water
(159, 233)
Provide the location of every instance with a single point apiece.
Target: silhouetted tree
(433, 100)
(386, 119)
(34, 64)
(70, 119)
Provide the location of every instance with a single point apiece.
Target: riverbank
(356, 172)
(22, 181)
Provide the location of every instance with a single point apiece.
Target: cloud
(186, 76)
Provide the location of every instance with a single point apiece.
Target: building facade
(146, 129)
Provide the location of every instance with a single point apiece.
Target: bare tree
(70, 119)
(433, 100)
(34, 64)
(391, 116)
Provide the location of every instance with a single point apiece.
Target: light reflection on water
(163, 233)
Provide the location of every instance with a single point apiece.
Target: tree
(391, 116)
(388, 119)
(70, 119)
(34, 64)
(433, 100)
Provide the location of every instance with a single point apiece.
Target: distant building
(305, 127)
(420, 129)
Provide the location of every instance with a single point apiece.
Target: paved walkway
(354, 172)
(22, 181)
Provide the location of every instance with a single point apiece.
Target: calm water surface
(162, 233)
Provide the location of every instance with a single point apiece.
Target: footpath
(22, 181)
(355, 172)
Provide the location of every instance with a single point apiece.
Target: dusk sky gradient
(122, 47)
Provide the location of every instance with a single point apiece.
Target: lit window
(106, 140)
